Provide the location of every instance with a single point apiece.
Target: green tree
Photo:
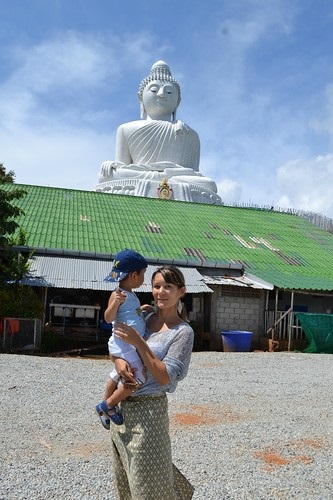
(13, 265)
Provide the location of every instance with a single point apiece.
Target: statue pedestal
(179, 191)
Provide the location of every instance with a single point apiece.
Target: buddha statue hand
(106, 169)
(163, 166)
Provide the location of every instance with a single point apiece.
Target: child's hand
(119, 296)
(116, 299)
(147, 308)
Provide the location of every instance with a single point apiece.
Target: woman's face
(166, 295)
(160, 99)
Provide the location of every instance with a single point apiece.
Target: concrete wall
(237, 308)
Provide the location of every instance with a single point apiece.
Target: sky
(256, 79)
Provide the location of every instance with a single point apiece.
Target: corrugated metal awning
(89, 274)
(246, 280)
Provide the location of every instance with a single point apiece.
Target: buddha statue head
(159, 93)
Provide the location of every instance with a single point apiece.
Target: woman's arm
(156, 367)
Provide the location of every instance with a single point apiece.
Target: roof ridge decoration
(164, 191)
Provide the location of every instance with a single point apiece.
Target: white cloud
(79, 60)
(52, 131)
(68, 158)
(307, 185)
(70, 70)
(230, 191)
(58, 63)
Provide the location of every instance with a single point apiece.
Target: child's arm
(116, 299)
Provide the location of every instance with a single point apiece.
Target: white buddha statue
(158, 154)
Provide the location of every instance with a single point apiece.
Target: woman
(141, 450)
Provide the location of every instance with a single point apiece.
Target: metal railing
(283, 325)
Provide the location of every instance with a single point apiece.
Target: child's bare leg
(118, 395)
(111, 386)
(109, 412)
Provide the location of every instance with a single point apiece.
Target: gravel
(243, 426)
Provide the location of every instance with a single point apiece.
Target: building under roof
(279, 248)
(241, 254)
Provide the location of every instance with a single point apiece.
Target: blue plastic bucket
(236, 340)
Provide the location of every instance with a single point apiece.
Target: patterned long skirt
(142, 467)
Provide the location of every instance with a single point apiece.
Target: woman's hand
(125, 373)
(126, 333)
(151, 362)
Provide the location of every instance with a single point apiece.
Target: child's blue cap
(124, 263)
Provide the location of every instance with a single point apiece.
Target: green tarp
(318, 329)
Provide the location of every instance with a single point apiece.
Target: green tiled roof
(280, 248)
